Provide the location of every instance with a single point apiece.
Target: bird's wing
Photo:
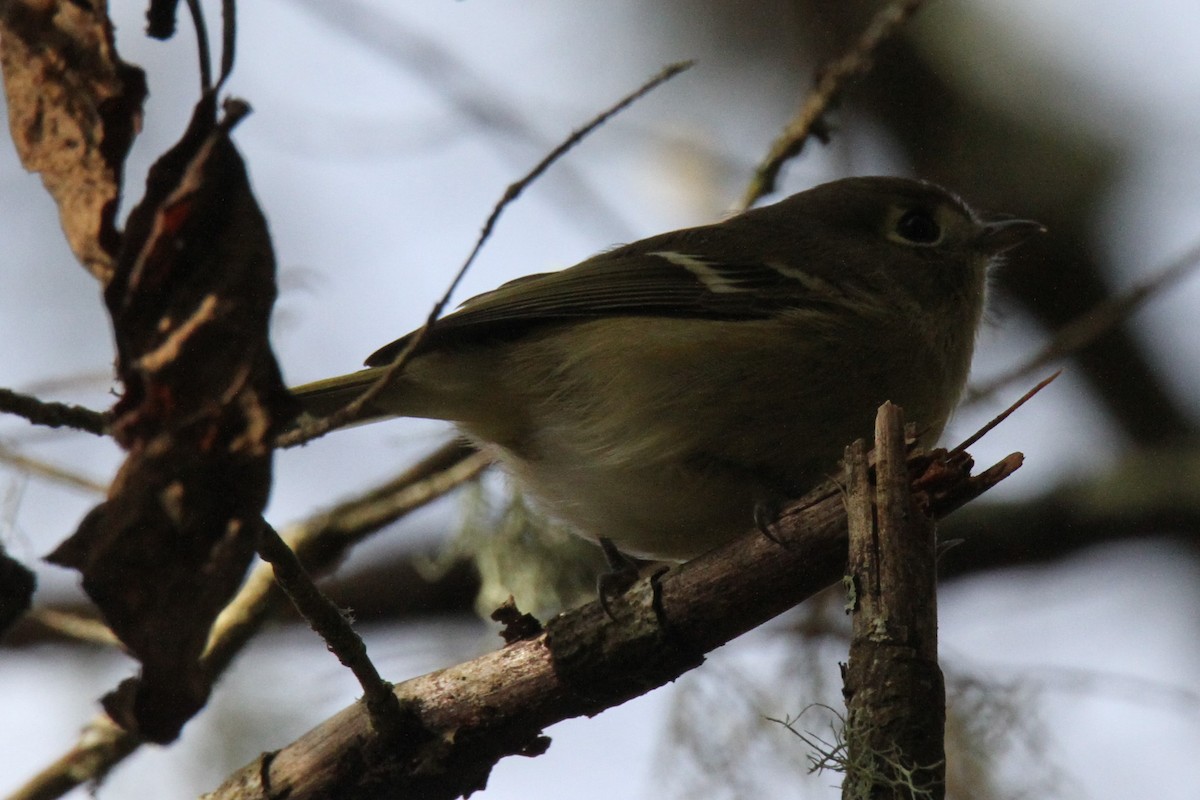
(625, 282)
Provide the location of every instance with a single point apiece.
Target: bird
(658, 394)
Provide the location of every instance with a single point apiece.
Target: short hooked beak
(1002, 235)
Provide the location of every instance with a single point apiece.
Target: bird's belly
(659, 511)
(666, 451)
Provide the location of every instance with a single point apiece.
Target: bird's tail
(322, 398)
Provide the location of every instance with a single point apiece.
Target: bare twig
(1147, 495)
(354, 409)
(74, 626)
(53, 415)
(320, 544)
(101, 746)
(1086, 329)
(203, 50)
(1003, 415)
(329, 622)
(832, 80)
(322, 540)
(44, 469)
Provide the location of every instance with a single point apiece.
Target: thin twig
(832, 80)
(1003, 415)
(1087, 328)
(53, 415)
(323, 539)
(355, 408)
(228, 38)
(101, 746)
(332, 625)
(320, 546)
(74, 626)
(43, 469)
(202, 48)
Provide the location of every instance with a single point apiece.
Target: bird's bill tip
(999, 236)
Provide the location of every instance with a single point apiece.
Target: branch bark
(895, 693)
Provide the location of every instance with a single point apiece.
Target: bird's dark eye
(918, 227)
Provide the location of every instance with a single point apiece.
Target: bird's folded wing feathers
(659, 283)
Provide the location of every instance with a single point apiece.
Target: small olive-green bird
(657, 394)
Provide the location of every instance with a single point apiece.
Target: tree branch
(54, 415)
(895, 693)
(463, 719)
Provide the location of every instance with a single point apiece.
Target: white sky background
(375, 187)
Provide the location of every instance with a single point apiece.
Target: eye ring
(918, 226)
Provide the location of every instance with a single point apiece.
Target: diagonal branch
(832, 80)
(462, 720)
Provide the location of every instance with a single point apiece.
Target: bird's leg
(622, 573)
(766, 512)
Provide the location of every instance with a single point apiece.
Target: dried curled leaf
(74, 108)
(190, 301)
